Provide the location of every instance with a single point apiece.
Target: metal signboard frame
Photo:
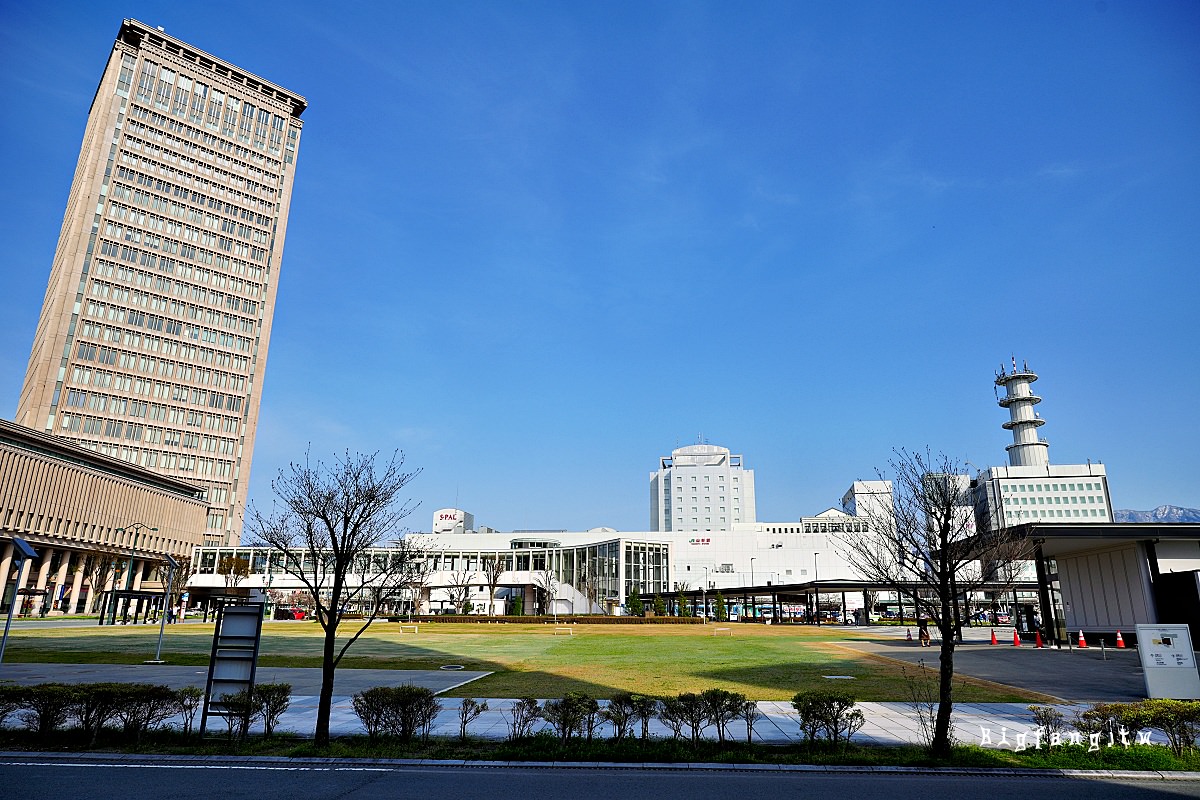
(1168, 661)
(234, 658)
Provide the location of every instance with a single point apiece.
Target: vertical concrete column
(43, 576)
(26, 568)
(60, 578)
(5, 568)
(139, 567)
(76, 583)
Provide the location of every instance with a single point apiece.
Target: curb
(247, 762)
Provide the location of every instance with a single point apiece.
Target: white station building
(1030, 488)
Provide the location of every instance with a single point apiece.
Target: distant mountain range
(1160, 514)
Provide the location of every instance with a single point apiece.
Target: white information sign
(1168, 661)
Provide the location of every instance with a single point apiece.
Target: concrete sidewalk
(886, 723)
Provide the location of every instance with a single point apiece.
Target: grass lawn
(763, 662)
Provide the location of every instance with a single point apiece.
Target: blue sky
(538, 245)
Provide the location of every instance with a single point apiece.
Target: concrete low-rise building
(80, 511)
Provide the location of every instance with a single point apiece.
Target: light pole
(753, 610)
(22, 552)
(137, 529)
(172, 565)
(816, 589)
(704, 598)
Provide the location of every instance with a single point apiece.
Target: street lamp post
(753, 610)
(704, 597)
(137, 529)
(172, 565)
(816, 589)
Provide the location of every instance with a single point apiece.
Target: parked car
(289, 613)
(1003, 619)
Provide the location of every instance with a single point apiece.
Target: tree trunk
(940, 746)
(325, 703)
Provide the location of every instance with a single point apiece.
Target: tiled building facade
(152, 341)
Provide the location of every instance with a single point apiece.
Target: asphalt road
(32, 778)
(1076, 676)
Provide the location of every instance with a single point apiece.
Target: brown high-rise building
(152, 342)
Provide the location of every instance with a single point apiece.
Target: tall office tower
(1030, 488)
(152, 341)
(701, 487)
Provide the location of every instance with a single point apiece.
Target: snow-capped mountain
(1160, 514)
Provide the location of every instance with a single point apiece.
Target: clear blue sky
(537, 245)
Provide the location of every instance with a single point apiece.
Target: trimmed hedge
(563, 619)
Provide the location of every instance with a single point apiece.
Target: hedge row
(93, 708)
(563, 619)
(1178, 720)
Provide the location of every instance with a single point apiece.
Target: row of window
(259, 181)
(113, 405)
(177, 309)
(193, 252)
(1056, 500)
(149, 365)
(166, 285)
(185, 97)
(118, 314)
(190, 354)
(1053, 487)
(1055, 513)
(154, 344)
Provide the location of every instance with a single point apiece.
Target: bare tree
(547, 583)
(931, 543)
(460, 588)
(173, 589)
(101, 569)
(333, 518)
(493, 567)
(417, 579)
(235, 569)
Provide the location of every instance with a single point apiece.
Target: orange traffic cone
(1120, 641)
(994, 636)
(1016, 638)
(908, 634)
(1082, 641)
(1039, 640)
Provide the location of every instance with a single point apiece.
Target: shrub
(719, 609)
(467, 712)
(644, 709)
(271, 701)
(188, 700)
(1048, 718)
(749, 713)
(45, 707)
(620, 714)
(828, 715)
(670, 713)
(518, 606)
(691, 710)
(240, 711)
(95, 705)
(145, 706)
(563, 716)
(634, 605)
(810, 708)
(522, 715)
(660, 606)
(1101, 718)
(371, 706)
(1178, 719)
(722, 708)
(10, 701)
